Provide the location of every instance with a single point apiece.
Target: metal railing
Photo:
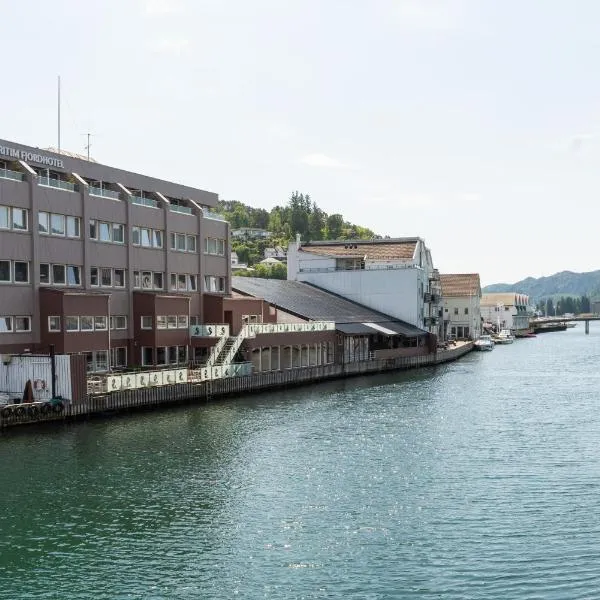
(103, 193)
(359, 269)
(57, 183)
(14, 175)
(144, 201)
(213, 215)
(177, 208)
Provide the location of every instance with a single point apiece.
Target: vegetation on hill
(564, 305)
(300, 215)
(565, 283)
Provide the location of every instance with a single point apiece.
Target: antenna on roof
(89, 145)
(58, 110)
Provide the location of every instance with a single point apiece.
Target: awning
(389, 328)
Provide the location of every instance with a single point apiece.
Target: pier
(586, 318)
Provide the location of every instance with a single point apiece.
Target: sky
(474, 124)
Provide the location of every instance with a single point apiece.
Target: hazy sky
(472, 123)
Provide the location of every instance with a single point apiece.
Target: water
(478, 479)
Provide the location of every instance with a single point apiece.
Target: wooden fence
(127, 400)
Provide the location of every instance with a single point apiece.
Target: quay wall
(139, 399)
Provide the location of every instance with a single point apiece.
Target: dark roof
(316, 304)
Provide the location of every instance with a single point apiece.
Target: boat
(504, 337)
(570, 324)
(484, 343)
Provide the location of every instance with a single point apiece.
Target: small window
(73, 227)
(146, 238)
(100, 323)
(455, 310)
(158, 238)
(93, 230)
(172, 355)
(119, 278)
(43, 222)
(73, 275)
(192, 283)
(173, 281)
(136, 279)
(86, 323)
(57, 224)
(147, 355)
(161, 322)
(158, 281)
(172, 241)
(71, 323)
(6, 324)
(135, 236)
(146, 280)
(4, 220)
(106, 277)
(118, 357)
(53, 323)
(94, 272)
(21, 272)
(181, 354)
(58, 275)
(171, 322)
(118, 233)
(146, 322)
(105, 232)
(19, 219)
(161, 355)
(22, 324)
(4, 271)
(44, 274)
(466, 310)
(181, 282)
(191, 243)
(101, 360)
(118, 322)
(221, 247)
(181, 242)
(182, 322)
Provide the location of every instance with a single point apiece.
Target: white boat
(485, 342)
(504, 337)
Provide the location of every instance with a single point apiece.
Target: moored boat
(484, 343)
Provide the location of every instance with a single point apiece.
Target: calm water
(479, 479)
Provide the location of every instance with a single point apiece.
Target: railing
(177, 208)
(103, 193)
(57, 183)
(210, 330)
(367, 267)
(212, 215)
(144, 201)
(216, 350)
(14, 175)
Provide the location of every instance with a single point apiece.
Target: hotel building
(104, 262)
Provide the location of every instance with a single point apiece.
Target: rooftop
(313, 303)
(506, 298)
(388, 249)
(460, 284)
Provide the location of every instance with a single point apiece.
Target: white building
(250, 233)
(235, 262)
(507, 310)
(277, 252)
(461, 299)
(393, 276)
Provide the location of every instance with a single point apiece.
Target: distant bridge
(586, 317)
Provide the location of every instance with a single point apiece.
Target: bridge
(586, 317)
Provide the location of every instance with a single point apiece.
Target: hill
(565, 283)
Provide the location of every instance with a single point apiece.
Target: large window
(183, 282)
(5, 271)
(118, 357)
(104, 231)
(182, 242)
(147, 238)
(118, 322)
(60, 274)
(147, 355)
(22, 324)
(13, 218)
(20, 271)
(86, 323)
(108, 277)
(146, 322)
(57, 224)
(97, 361)
(214, 246)
(213, 283)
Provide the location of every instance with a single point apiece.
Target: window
(94, 276)
(161, 322)
(445, 310)
(161, 355)
(171, 322)
(146, 280)
(43, 222)
(221, 247)
(118, 233)
(58, 275)
(180, 242)
(71, 323)
(4, 270)
(158, 281)
(147, 355)
(44, 273)
(456, 310)
(57, 224)
(73, 227)
(118, 357)
(181, 354)
(21, 272)
(192, 283)
(182, 322)
(73, 275)
(86, 323)
(146, 322)
(4, 220)
(172, 355)
(221, 282)
(145, 238)
(191, 243)
(6, 325)
(466, 332)
(105, 277)
(181, 282)
(100, 323)
(118, 322)
(93, 230)
(22, 324)
(195, 321)
(135, 236)
(119, 278)
(101, 360)
(158, 238)
(466, 310)
(104, 232)
(173, 241)
(173, 281)
(214, 246)
(53, 323)
(19, 219)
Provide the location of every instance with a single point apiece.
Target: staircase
(224, 354)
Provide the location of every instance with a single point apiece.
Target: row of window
(182, 242)
(103, 231)
(107, 277)
(165, 322)
(14, 271)
(19, 324)
(61, 225)
(214, 284)
(456, 310)
(214, 246)
(13, 218)
(164, 355)
(86, 323)
(51, 274)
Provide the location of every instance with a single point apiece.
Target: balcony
(184, 210)
(144, 201)
(8, 174)
(103, 193)
(57, 183)
(212, 215)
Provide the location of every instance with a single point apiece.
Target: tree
(550, 308)
(335, 224)
(316, 223)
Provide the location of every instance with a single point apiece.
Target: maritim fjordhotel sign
(40, 159)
